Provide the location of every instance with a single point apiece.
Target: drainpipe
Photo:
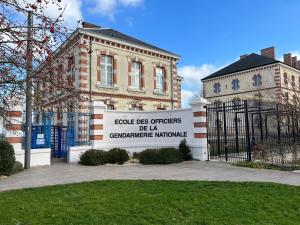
(171, 88)
(90, 69)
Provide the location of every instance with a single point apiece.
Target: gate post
(96, 122)
(199, 148)
(13, 127)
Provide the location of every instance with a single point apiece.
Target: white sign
(40, 136)
(40, 141)
(156, 128)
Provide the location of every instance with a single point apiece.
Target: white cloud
(192, 76)
(131, 3)
(186, 97)
(71, 14)
(109, 8)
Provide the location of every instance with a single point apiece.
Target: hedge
(7, 158)
(160, 156)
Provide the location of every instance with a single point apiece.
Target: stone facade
(118, 93)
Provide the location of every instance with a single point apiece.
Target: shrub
(7, 158)
(117, 155)
(160, 156)
(18, 167)
(148, 156)
(185, 151)
(169, 155)
(93, 158)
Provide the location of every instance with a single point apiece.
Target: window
(73, 70)
(293, 81)
(235, 84)
(285, 78)
(136, 107)
(110, 107)
(217, 88)
(160, 79)
(257, 80)
(135, 75)
(106, 70)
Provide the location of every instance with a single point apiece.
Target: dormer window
(257, 80)
(217, 88)
(235, 84)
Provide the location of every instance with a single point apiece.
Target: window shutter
(154, 77)
(165, 79)
(115, 71)
(98, 68)
(142, 76)
(129, 71)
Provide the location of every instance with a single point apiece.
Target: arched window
(293, 81)
(217, 88)
(285, 78)
(235, 84)
(106, 70)
(257, 80)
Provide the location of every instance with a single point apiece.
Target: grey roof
(111, 33)
(249, 62)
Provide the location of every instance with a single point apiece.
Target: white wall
(38, 157)
(139, 144)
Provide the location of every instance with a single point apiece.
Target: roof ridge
(251, 61)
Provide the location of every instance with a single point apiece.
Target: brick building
(123, 72)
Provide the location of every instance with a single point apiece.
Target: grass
(270, 166)
(153, 202)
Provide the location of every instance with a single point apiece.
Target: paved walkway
(63, 173)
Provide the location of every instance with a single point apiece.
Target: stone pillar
(96, 123)
(13, 126)
(199, 147)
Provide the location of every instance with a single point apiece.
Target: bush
(160, 156)
(18, 167)
(185, 151)
(93, 158)
(117, 155)
(148, 156)
(7, 158)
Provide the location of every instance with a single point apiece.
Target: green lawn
(153, 202)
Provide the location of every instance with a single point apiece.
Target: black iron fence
(246, 130)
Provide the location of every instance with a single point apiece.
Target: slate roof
(111, 33)
(249, 62)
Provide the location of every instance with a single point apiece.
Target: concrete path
(63, 173)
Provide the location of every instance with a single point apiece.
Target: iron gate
(59, 131)
(235, 127)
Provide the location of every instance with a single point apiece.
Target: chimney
(287, 59)
(294, 61)
(243, 56)
(298, 64)
(89, 25)
(268, 52)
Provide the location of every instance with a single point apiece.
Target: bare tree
(47, 33)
